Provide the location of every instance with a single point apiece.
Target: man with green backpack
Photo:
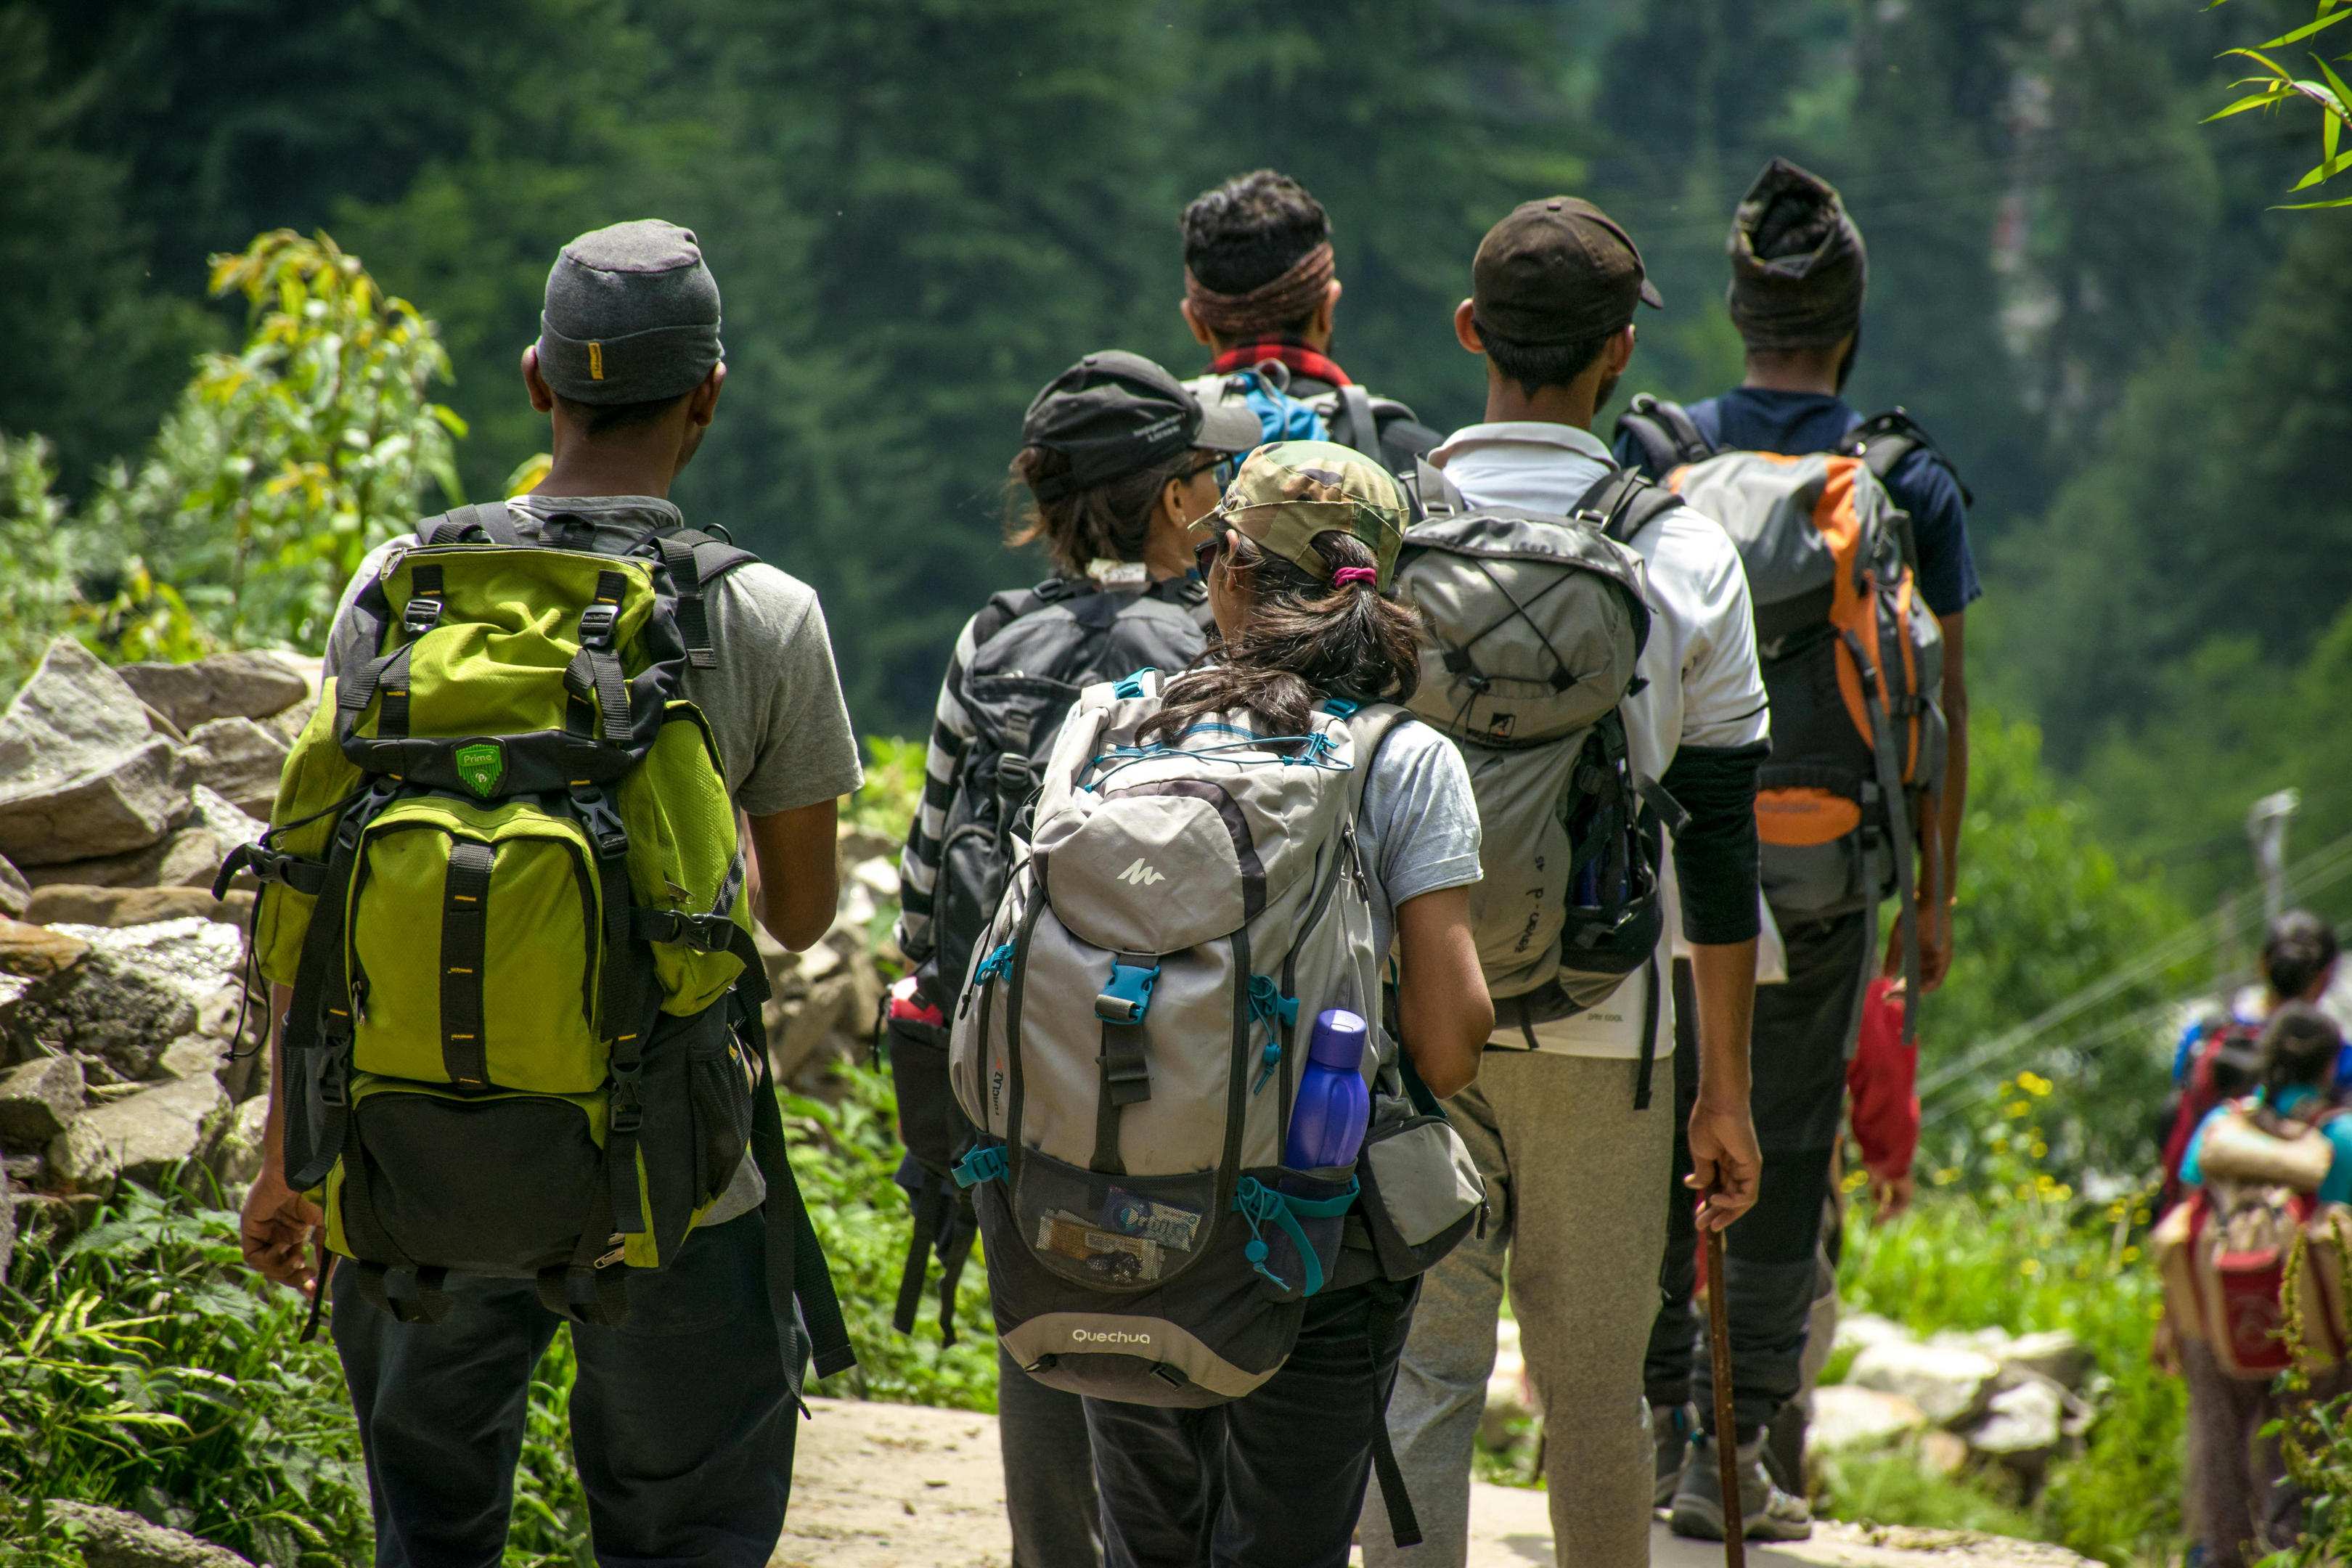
(520, 1079)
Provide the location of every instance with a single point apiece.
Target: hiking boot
(1672, 1428)
(1767, 1514)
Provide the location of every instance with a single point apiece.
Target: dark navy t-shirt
(1756, 419)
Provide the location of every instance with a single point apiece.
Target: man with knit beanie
(1798, 275)
(1260, 292)
(683, 1415)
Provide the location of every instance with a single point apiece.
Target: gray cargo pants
(1573, 1176)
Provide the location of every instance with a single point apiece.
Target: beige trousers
(1577, 1183)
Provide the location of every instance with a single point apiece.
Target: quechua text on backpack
(1536, 622)
(1852, 663)
(503, 880)
(1034, 651)
(1129, 1043)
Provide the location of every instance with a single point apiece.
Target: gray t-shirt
(1419, 830)
(774, 702)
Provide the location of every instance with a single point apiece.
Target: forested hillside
(919, 209)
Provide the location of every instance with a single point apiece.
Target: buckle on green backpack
(1128, 995)
(597, 624)
(602, 822)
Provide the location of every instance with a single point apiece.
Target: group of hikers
(1376, 870)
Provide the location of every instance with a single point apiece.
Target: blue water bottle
(1327, 1125)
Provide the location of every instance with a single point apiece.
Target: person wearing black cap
(1117, 460)
(683, 1419)
(1800, 272)
(1260, 294)
(1552, 1121)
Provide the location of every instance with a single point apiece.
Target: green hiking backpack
(503, 880)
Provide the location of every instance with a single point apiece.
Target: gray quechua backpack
(1131, 1040)
(1536, 623)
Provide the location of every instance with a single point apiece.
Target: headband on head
(1270, 306)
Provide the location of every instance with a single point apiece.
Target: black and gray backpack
(1034, 651)
(1536, 623)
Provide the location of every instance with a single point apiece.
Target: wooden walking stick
(1726, 1436)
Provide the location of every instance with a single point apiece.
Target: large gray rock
(1847, 1415)
(241, 759)
(82, 773)
(186, 857)
(1948, 1383)
(237, 1158)
(113, 1011)
(225, 686)
(2027, 1419)
(39, 1100)
(110, 1538)
(15, 891)
(144, 1139)
(71, 903)
(34, 951)
(2054, 1354)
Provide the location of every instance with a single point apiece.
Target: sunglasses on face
(1222, 468)
(1205, 553)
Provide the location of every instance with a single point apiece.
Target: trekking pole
(1726, 1436)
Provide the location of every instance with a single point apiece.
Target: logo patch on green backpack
(481, 764)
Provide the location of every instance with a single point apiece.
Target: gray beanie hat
(632, 316)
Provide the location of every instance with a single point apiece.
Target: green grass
(1894, 1487)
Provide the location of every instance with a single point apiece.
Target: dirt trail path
(902, 1485)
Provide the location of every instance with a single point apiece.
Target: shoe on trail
(1767, 1514)
(1672, 1429)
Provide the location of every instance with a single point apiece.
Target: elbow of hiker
(798, 916)
(1447, 1056)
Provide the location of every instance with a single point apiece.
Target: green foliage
(2021, 1250)
(2277, 87)
(2045, 911)
(144, 1368)
(1896, 1486)
(843, 1156)
(885, 803)
(37, 591)
(285, 463)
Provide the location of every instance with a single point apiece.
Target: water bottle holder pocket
(1284, 1201)
(1113, 1233)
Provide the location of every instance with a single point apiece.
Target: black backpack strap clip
(1884, 441)
(1620, 503)
(1666, 433)
(489, 519)
(1431, 493)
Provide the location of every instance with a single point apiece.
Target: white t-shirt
(1704, 687)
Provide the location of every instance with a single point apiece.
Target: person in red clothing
(1883, 1116)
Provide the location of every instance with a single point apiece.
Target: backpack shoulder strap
(490, 520)
(1621, 504)
(1363, 430)
(1003, 609)
(694, 562)
(1884, 441)
(1665, 432)
(1370, 726)
(1431, 494)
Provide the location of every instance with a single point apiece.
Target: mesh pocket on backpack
(722, 1076)
(1113, 1233)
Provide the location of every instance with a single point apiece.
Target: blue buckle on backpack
(994, 964)
(983, 1165)
(1340, 708)
(1133, 685)
(1128, 995)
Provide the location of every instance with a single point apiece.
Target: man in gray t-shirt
(682, 1417)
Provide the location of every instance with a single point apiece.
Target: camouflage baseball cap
(1290, 492)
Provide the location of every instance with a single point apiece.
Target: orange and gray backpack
(1853, 662)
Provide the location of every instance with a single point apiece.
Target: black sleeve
(1714, 854)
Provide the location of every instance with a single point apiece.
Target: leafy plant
(283, 463)
(887, 802)
(2277, 86)
(844, 1157)
(37, 593)
(144, 1368)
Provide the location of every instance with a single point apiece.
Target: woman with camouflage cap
(1298, 559)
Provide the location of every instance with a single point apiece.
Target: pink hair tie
(1347, 574)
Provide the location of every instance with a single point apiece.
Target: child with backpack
(1118, 460)
(2266, 1174)
(2216, 1058)
(518, 1083)
(1205, 1183)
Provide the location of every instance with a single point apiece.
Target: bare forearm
(795, 878)
(1724, 976)
(1442, 1001)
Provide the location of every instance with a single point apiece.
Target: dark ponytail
(2299, 1049)
(2297, 951)
(1305, 640)
(1110, 520)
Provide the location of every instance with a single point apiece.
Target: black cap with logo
(1115, 414)
(1557, 271)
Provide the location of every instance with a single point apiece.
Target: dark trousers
(1049, 1474)
(1803, 1032)
(1274, 1479)
(681, 1419)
